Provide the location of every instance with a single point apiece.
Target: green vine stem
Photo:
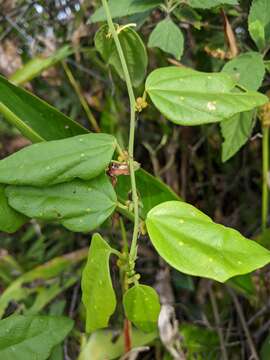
(265, 168)
(133, 248)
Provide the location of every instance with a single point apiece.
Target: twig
(81, 97)
(243, 323)
(218, 323)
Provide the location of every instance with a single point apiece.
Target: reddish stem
(127, 335)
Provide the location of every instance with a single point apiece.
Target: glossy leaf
(189, 97)
(193, 244)
(35, 118)
(151, 190)
(78, 205)
(35, 66)
(54, 162)
(100, 345)
(141, 304)
(120, 8)
(207, 4)
(248, 70)
(31, 337)
(133, 49)
(10, 220)
(168, 37)
(97, 291)
(259, 22)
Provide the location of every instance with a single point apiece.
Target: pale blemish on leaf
(211, 106)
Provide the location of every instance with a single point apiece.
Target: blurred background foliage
(40, 265)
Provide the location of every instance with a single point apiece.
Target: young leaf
(59, 161)
(207, 4)
(78, 205)
(189, 97)
(120, 8)
(168, 37)
(10, 220)
(97, 291)
(32, 337)
(193, 244)
(151, 190)
(259, 22)
(235, 131)
(142, 307)
(35, 66)
(133, 49)
(248, 70)
(35, 119)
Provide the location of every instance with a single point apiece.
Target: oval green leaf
(142, 307)
(80, 206)
(133, 49)
(55, 162)
(168, 37)
(10, 220)
(36, 119)
(193, 244)
(189, 97)
(97, 291)
(32, 337)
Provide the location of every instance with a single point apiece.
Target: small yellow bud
(141, 104)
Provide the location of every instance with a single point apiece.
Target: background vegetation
(220, 173)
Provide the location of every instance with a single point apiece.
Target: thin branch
(243, 323)
(218, 323)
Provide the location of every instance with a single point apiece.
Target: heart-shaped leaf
(142, 307)
(97, 291)
(133, 49)
(10, 220)
(189, 97)
(193, 244)
(168, 37)
(32, 337)
(78, 205)
(54, 162)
